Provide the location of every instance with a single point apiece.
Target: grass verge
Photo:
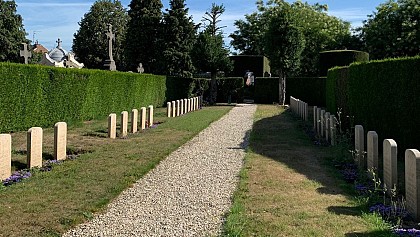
(49, 203)
(288, 188)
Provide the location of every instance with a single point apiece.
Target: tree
(143, 35)
(179, 38)
(12, 33)
(209, 53)
(394, 30)
(284, 44)
(90, 43)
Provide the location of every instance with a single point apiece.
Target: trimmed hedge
(34, 95)
(383, 96)
(333, 58)
(232, 87)
(337, 90)
(308, 89)
(266, 90)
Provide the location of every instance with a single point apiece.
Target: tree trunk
(282, 88)
(213, 88)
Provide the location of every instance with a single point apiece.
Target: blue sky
(48, 20)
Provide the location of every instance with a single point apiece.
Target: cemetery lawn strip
(287, 188)
(49, 203)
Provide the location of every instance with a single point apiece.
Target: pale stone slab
(181, 107)
(196, 103)
(185, 106)
(143, 118)
(178, 107)
(372, 150)
(412, 183)
(124, 124)
(318, 121)
(359, 145)
(332, 130)
(390, 163)
(5, 156)
(315, 120)
(322, 123)
(150, 117)
(173, 109)
(168, 109)
(134, 120)
(60, 141)
(112, 126)
(34, 147)
(327, 125)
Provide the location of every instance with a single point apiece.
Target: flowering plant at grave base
(49, 165)
(349, 172)
(407, 232)
(17, 177)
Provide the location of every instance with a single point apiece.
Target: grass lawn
(49, 203)
(287, 187)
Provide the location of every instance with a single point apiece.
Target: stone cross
(59, 43)
(140, 68)
(111, 37)
(25, 52)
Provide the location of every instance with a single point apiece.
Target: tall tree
(12, 33)
(393, 30)
(143, 38)
(210, 54)
(179, 38)
(90, 43)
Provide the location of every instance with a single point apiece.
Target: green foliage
(393, 31)
(330, 59)
(12, 33)
(143, 39)
(90, 42)
(257, 64)
(337, 90)
(230, 89)
(266, 90)
(41, 96)
(179, 38)
(308, 89)
(177, 88)
(382, 96)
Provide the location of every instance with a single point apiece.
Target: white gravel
(188, 193)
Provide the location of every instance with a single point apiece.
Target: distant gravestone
(359, 145)
(112, 126)
(390, 163)
(134, 120)
(332, 130)
(372, 150)
(5, 156)
(318, 121)
(178, 107)
(181, 107)
(173, 108)
(124, 124)
(25, 53)
(327, 125)
(315, 121)
(110, 63)
(185, 106)
(412, 183)
(322, 123)
(60, 140)
(34, 147)
(168, 109)
(140, 68)
(150, 117)
(143, 118)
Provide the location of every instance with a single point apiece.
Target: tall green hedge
(384, 96)
(266, 90)
(333, 58)
(308, 89)
(337, 90)
(33, 95)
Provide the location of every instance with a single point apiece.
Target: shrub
(333, 58)
(308, 89)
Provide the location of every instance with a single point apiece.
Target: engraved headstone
(390, 163)
(332, 130)
(315, 120)
(318, 121)
(327, 125)
(173, 108)
(412, 183)
(34, 147)
(124, 124)
(150, 117)
(5, 156)
(143, 118)
(134, 120)
(169, 109)
(185, 106)
(372, 150)
(60, 140)
(181, 107)
(322, 123)
(112, 126)
(178, 107)
(359, 145)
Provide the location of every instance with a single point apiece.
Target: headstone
(134, 120)
(143, 118)
(390, 163)
(412, 183)
(25, 53)
(315, 120)
(327, 125)
(150, 117)
(110, 63)
(140, 68)
(372, 150)
(60, 141)
(169, 109)
(5, 156)
(190, 105)
(173, 108)
(322, 123)
(124, 124)
(359, 146)
(318, 121)
(181, 107)
(332, 130)
(112, 126)
(185, 106)
(34, 147)
(178, 107)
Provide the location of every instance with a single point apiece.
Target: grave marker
(178, 107)
(150, 117)
(173, 109)
(390, 163)
(5, 156)
(318, 121)
(112, 126)
(327, 125)
(143, 118)
(315, 120)
(181, 107)
(134, 120)
(322, 123)
(332, 129)
(124, 124)
(34, 147)
(25, 53)
(168, 109)
(60, 141)
(372, 150)
(359, 145)
(412, 183)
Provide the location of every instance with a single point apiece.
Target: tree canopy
(12, 33)
(90, 42)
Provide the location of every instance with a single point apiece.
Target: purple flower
(17, 177)
(407, 232)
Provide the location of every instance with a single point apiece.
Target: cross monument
(25, 53)
(110, 63)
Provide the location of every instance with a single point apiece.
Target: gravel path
(188, 193)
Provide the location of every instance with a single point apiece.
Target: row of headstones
(146, 120)
(390, 171)
(325, 125)
(34, 148)
(183, 106)
(299, 107)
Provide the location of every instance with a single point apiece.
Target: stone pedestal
(60, 140)
(110, 65)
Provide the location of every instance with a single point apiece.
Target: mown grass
(288, 188)
(49, 203)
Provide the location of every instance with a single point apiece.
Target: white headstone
(412, 183)
(112, 126)
(5, 156)
(34, 147)
(169, 109)
(60, 141)
(372, 150)
(150, 117)
(390, 163)
(359, 145)
(134, 120)
(143, 118)
(124, 124)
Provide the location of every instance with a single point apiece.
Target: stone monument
(25, 53)
(110, 63)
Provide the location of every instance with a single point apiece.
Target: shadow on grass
(19, 165)
(342, 210)
(378, 233)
